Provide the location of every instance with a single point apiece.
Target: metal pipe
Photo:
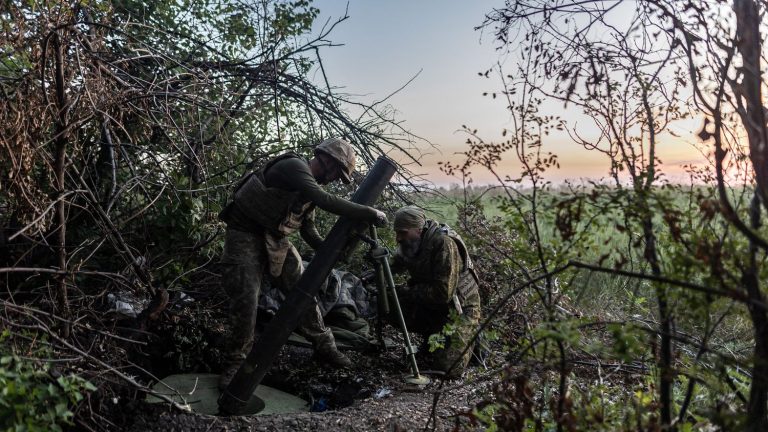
(410, 350)
(383, 300)
(302, 296)
(380, 256)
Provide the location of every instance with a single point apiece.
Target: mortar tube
(302, 296)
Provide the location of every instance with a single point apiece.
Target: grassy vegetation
(603, 316)
(597, 292)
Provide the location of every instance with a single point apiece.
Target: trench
(186, 346)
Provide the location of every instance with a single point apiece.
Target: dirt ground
(370, 396)
(402, 411)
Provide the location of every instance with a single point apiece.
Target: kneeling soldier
(442, 280)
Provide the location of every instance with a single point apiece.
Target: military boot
(331, 356)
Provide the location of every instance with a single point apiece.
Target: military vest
(467, 289)
(277, 210)
(433, 228)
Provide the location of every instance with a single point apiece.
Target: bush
(31, 399)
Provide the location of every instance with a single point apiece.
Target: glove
(381, 218)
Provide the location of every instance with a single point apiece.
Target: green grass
(445, 208)
(601, 236)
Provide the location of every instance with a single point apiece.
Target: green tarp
(200, 393)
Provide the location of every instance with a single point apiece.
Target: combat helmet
(342, 152)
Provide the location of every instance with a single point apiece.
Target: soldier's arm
(294, 174)
(309, 231)
(446, 264)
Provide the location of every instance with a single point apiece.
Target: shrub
(32, 399)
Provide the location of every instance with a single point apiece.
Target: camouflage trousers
(450, 359)
(428, 320)
(244, 266)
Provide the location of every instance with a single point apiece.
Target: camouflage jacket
(440, 269)
(256, 205)
(280, 198)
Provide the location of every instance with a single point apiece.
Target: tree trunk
(754, 119)
(107, 165)
(651, 255)
(757, 420)
(753, 115)
(62, 302)
(757, 408)
(665, 327)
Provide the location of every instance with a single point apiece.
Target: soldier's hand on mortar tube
(381, 218)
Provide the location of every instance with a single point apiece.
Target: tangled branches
(122, 127)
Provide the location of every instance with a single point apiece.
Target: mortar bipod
(386, 284)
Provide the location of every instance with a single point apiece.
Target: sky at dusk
(385, 44)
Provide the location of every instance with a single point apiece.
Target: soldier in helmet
(267, 206)
(442, 285)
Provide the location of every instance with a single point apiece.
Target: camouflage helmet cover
(342, 152)
(409, 217)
